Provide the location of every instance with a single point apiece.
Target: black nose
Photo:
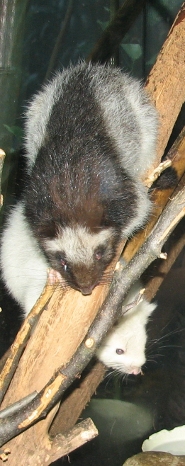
(86, 290)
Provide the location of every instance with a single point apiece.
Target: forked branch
(47, 398)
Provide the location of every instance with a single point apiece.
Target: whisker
(158, 341)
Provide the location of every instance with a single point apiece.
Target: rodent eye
(119, 351)
(99, 253)
(64, 264)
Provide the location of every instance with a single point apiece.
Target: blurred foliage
(55, 34)
(88, 18)
(16, 131)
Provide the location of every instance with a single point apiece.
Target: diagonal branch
(109, 42)
(47, 398)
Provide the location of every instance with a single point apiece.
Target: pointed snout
(135, 370)
(87, 289)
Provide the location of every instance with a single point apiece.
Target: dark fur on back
(76, 178)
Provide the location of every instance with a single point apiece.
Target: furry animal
(123, 349)
(90, 136)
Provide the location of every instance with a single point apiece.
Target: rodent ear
(150, 308)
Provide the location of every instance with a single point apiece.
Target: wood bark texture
(166, 80)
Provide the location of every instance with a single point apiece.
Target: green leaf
(15, 130)
(152, 60)
(103, 24)
(134, 51)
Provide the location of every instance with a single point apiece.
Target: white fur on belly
(24, 267)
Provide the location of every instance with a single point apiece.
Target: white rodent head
(123, 349)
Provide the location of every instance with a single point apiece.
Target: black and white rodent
(123, 349)
(90, 136)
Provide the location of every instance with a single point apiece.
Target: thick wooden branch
(63, 444)
(71, 408)
(52, 392)
(165, 83)
(18, 345)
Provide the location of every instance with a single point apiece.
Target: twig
(157, 172)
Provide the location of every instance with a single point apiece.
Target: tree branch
(168, 72)
(159, 196)
(21, 339)
(39, 407)
(114, 33)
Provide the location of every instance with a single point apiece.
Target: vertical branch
(166, 80)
